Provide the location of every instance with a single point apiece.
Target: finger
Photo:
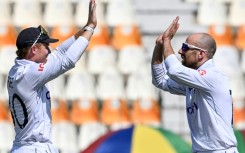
(172, 26)
(92, 5)
(176, 19)
(171, 30)
(175, 26)
(175, 23)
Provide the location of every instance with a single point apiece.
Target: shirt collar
(22, 61)
(207, 64)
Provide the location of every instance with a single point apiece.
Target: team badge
(41, 67)
(201, 72)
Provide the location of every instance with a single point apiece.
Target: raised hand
(171, 30)
(92, 19)
(159, 40)
(163, 46)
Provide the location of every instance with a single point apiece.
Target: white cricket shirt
(29, 96)
(208, 101)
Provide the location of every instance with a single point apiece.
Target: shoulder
(30, 69)
(215, 75)
(209, 69)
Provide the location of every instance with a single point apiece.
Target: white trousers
(230, 150)
(35, 148)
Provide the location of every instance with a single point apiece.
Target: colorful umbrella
(139, 139)
(240, 136)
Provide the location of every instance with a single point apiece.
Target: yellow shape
(149, 140)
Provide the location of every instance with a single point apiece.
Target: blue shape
(118, 142)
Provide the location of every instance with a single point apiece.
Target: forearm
(157, 55)
(158, 73)
(167, 48)
(65, 45)
(85, 33)
(77, 49)
(162, 81)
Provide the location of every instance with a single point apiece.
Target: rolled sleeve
(158, 73)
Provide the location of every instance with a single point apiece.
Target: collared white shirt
(29, 96)
(208, 101)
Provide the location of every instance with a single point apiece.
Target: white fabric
(230, 150)
(36, 147)
(57, 87)
(227, 59)
(29, 94)
(208, 101)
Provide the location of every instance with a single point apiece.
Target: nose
(180, 51)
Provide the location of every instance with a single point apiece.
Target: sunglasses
(42, 32)
(185, 47)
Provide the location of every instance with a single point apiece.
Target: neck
(200, 64)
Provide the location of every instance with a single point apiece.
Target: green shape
(179, 144)
(240, 141)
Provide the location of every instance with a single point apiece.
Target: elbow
(68, 64)
(155, 83)
(172, 74)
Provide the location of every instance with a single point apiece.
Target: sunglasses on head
(42, 32)
(185, 47)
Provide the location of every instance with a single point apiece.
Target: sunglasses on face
(185, 47)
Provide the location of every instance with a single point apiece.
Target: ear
(33, 50)
(201, 55)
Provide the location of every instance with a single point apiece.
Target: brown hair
(21, 53)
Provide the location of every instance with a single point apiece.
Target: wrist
(166, 42)
(158, 45)
(166, 39)
(88, 28)
(90, 25)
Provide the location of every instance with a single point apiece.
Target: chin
(43, 61)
